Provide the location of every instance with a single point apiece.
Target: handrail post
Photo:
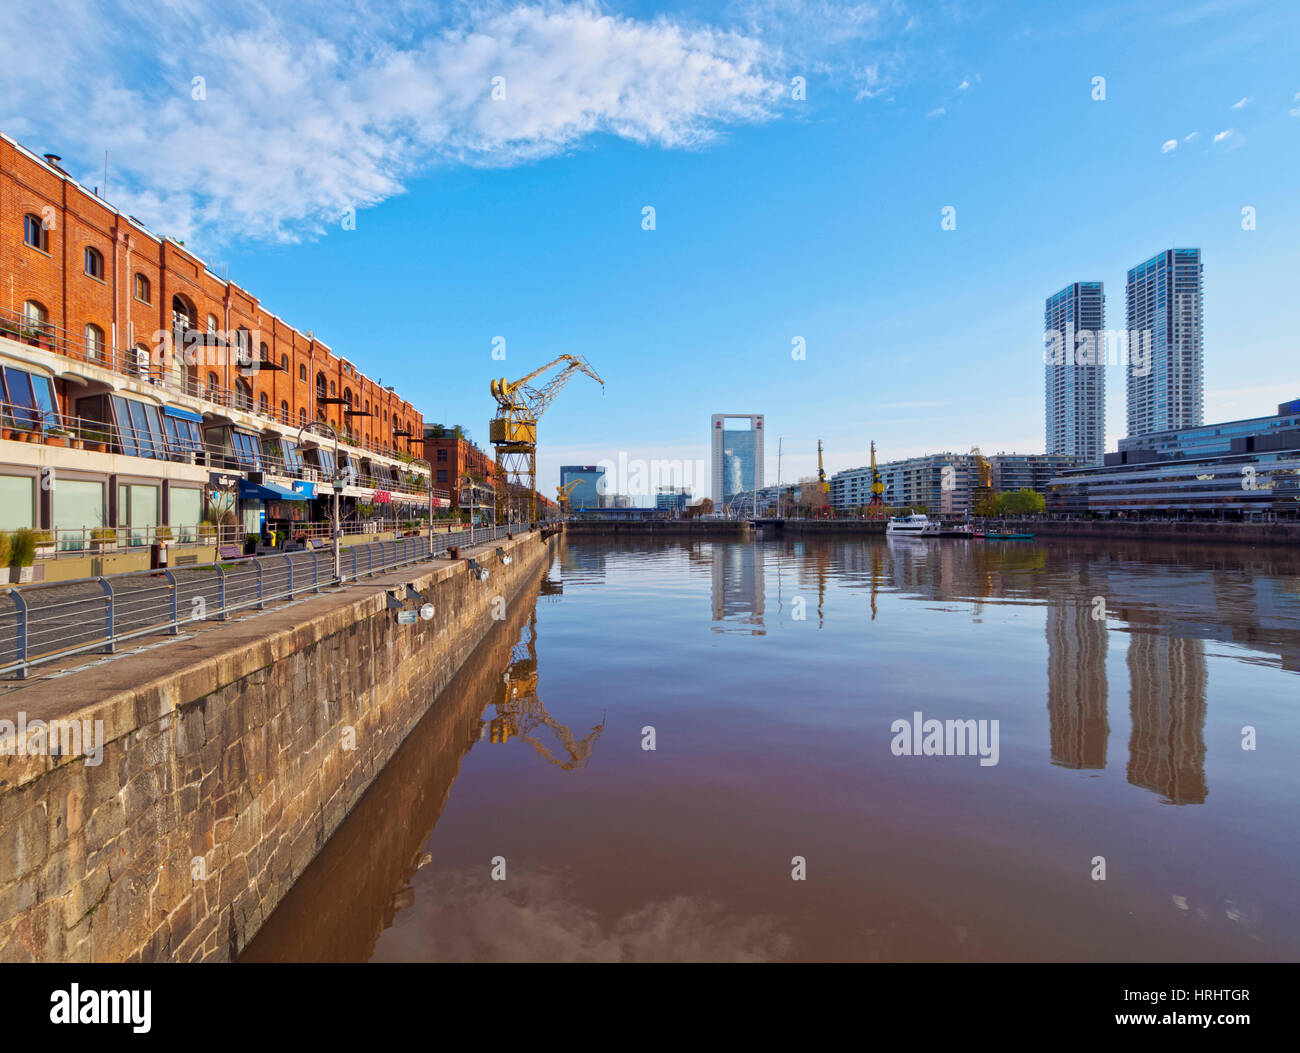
(20, 632)
(222, 614)
(171, 581)
(109, 647)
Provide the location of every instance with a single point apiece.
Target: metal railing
(145, 364)
(44, 623)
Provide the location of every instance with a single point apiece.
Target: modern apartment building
(944, 483)
(737, 460)
(1166, 386)
(157, 392)
(1074, 323)
(1238, 468)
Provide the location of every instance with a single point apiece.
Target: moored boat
(916, 525)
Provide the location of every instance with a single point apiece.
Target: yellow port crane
(876, 507)
(514, 430)
(563, 493)
(826, 512)
(982, 497)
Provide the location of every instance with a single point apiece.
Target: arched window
(94, 344)
(266, 353)
(212, 323)
(302, 373)
(214, 385)
(320, 386)
(243, 394)
(284, 411)
(34, 232)
(264, 404)
(331, 389)
(94, 263)
(284, 363)
(36, 328)
(347, 398)
(142, 358)
(143, 291)
(302, 416)
(243, 345)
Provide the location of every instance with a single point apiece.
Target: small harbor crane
(514, 429)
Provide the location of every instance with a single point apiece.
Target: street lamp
(337, 483)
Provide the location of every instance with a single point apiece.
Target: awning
(183, 414)
(268, 492)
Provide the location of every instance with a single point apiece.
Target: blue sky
(776, 218)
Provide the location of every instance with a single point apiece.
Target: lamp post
(337, 484)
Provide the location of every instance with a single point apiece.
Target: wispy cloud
(1295, 111)
(1191, 137)
(296, 120)
(1168, 145)
(937, 112)
(1224, 135)
(1243, 102)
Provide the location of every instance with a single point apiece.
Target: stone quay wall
(229, 758)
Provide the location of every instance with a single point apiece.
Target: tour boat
(917, 525)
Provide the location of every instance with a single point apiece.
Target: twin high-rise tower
(1164, 361)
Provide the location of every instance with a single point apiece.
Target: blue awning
(268, 492)
(183, 414)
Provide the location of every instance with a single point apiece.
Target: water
(1121, 676)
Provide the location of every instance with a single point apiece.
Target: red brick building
(100, 279)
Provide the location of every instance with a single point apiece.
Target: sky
(416, 183)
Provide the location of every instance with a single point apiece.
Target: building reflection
(1077, 643)
(1167, 677)
(738, 589)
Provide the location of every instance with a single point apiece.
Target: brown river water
(1100, 805)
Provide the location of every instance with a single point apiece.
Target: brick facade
(76, 219)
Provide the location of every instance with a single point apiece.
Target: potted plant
(22, 554)
(44, 544)
(163, 535)
(95, 439)
(4, 557)
(57, 437)
(103, 539)
(208, 531)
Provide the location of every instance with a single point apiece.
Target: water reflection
(772, 742)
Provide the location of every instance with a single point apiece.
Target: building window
(302, 416)
(36, 328)
(321, 389)
(94, 343)
(264, 404)
(142, 358)
(302, 374)
(34, 232)
(95, 263)
(332, 389)
(284, 411)
(214, 385)
(442, 456)
(212, 323)
(18, 502)
(284, 363)
(142, 289)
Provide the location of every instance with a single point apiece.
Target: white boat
(917, 525)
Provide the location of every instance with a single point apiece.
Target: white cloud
(1191, 137)
(964, 85)
(1296, 111)
(1227, 133)
(304, 119)
(937, 112)
(1169, 144)
(1243, 102)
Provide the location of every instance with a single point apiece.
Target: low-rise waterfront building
(1243, 468)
